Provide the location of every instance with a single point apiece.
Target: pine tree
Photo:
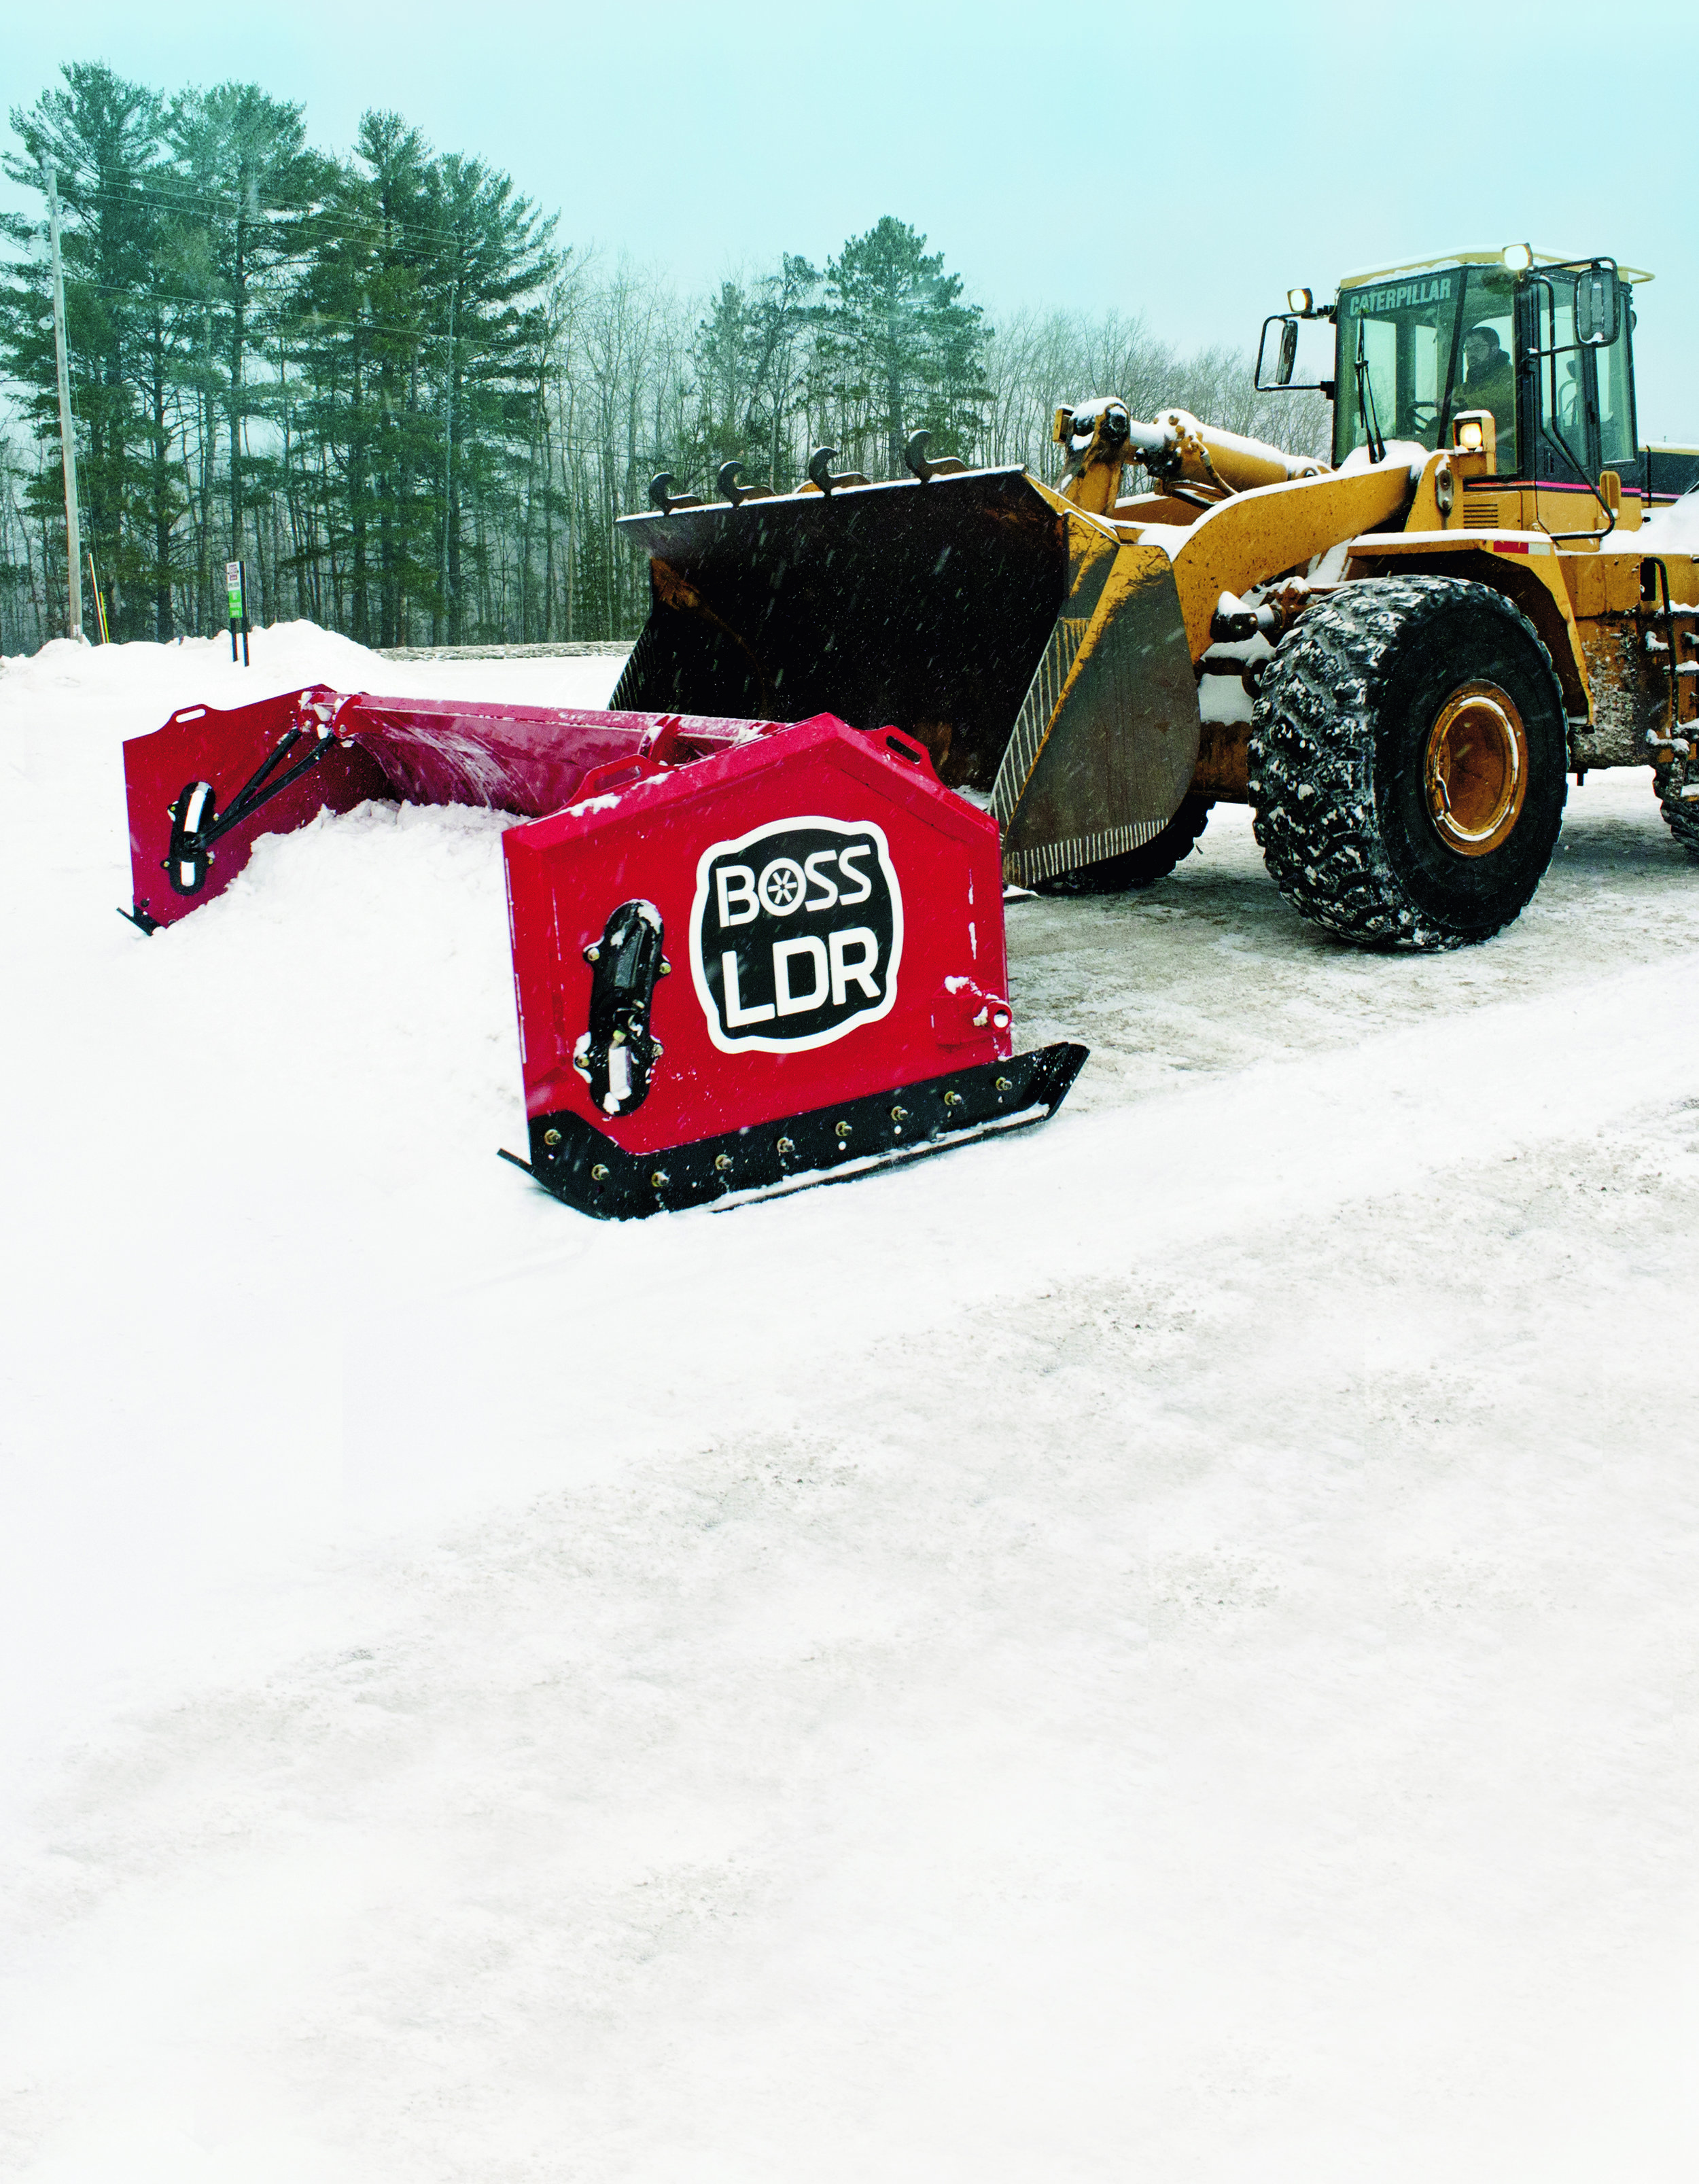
(749, 365)
(100, 136)
(495, 253)
(379, 382)
(900, 349)
(247, 173)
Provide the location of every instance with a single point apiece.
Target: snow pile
(1671, 530)
(1157, 1646)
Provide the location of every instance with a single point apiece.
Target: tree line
(384, 381)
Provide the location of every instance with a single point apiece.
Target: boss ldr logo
(795, 933)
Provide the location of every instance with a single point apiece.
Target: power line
(307, 321)
(351, 222)
(307, 257)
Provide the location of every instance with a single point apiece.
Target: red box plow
(747, 956)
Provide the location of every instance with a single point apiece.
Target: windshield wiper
(1366, 409)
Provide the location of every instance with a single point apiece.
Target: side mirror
(1598, 305)
(1276, 355)
(1277, 367)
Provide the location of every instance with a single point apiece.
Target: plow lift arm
(747, 955)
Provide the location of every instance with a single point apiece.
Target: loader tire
(1678, 796)
(1137, 868)
(1408, 762)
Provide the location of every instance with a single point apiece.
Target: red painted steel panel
(200, 745)
(888, 967)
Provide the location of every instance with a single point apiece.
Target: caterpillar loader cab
(1397, 652)
(1548, 348)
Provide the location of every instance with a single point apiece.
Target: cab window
(1486, 378)
(1394, 360)
(1616, 399)
(1562, 452)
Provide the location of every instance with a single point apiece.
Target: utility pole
(449, 461)
(67, 442)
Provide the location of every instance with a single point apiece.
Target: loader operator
(1489, 383)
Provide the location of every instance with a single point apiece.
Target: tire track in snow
(688, 1324)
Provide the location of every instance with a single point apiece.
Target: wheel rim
(1476, 769)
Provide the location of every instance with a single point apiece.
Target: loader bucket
(926, 607)
(1039, 659)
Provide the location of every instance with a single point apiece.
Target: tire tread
(1312, 754)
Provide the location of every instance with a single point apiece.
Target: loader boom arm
(1245, 541)
(1102, 437)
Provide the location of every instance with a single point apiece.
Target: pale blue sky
(1189, 163)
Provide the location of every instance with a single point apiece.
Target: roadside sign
(235, 590)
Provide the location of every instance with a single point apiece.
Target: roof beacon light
(1300, 300)
(1518, 257)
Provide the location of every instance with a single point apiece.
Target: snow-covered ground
(1163, 1647)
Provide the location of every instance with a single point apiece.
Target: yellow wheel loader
(1397, 656)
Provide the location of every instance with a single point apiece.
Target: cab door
(1559, 396)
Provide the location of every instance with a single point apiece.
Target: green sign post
(236, 586)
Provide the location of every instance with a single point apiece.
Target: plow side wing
(198, 745)
(775, 965)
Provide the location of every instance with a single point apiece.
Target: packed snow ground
(1163, 1648)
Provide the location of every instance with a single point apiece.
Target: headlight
(1300, 300)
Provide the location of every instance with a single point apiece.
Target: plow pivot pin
(593, 953)
(665, 968)
(598, 1173)
(952, 1099)
(841, 1129)
(657, 1177)
(1004, 1085)
(786, 1146)
(722, 1162)
(900, 1114)
(551, 1137)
